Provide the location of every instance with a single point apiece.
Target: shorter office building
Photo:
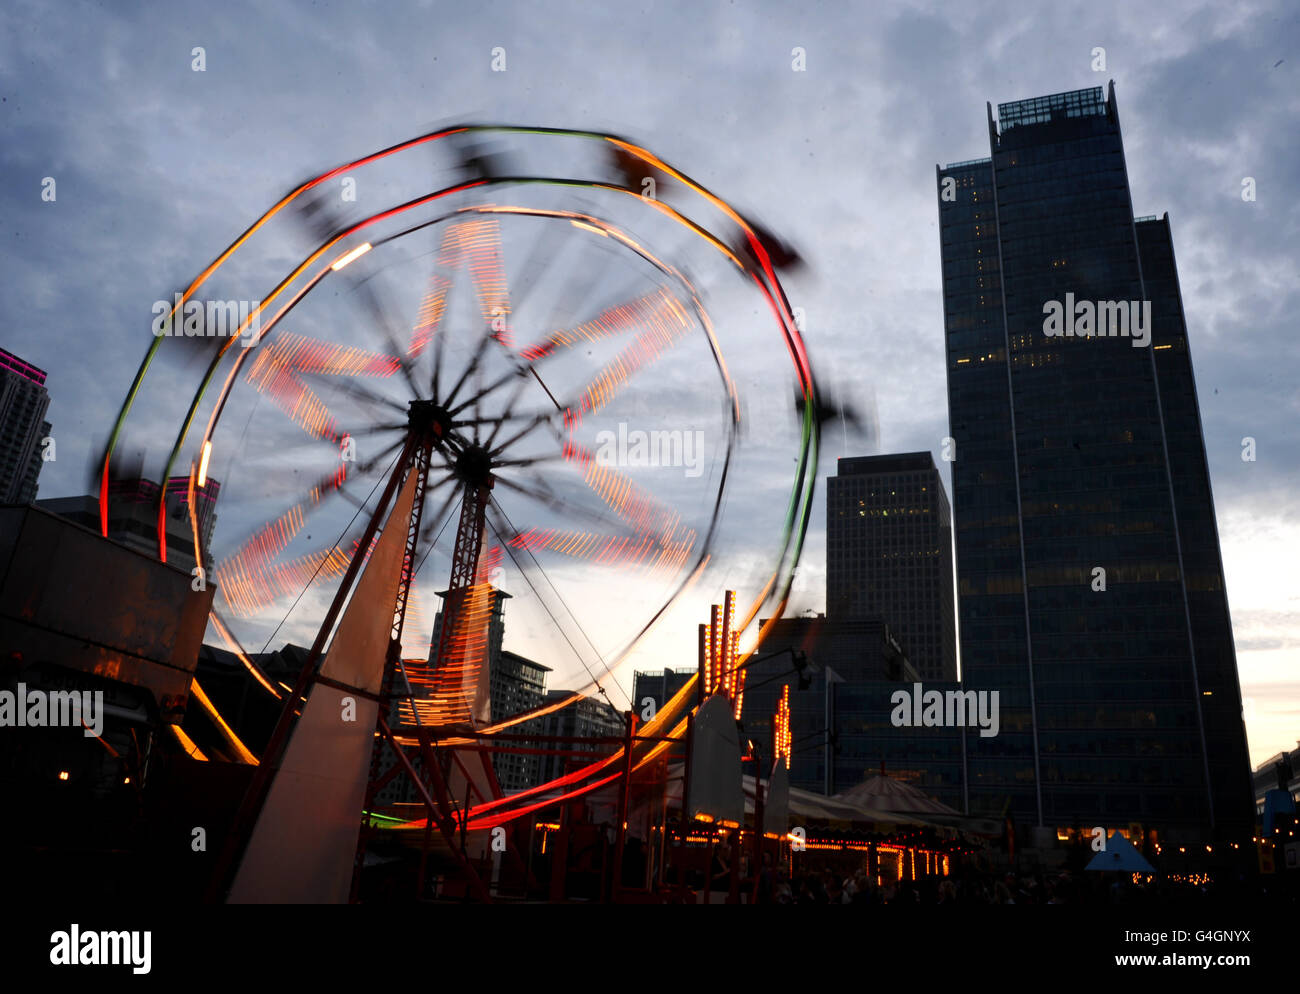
(842, 675)
(133, 516)
(518, 685)
(657, 688)
(585, 718)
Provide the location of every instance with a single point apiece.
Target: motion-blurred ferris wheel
(541, 320)
(551, 353)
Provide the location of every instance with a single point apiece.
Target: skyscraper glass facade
(1090, 585)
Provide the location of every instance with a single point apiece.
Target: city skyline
(1189, 148)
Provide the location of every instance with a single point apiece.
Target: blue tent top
(1277, 804)
(1120, 855)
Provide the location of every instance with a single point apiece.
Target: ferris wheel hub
(428, 417)
(474, 466)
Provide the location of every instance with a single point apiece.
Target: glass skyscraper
(1090, 582)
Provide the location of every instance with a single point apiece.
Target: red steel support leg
(444, 823)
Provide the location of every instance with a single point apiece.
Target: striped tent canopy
(887, 794)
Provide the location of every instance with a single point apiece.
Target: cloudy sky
(158, 167)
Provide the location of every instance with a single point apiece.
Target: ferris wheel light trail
(589, 227)
(242, 751)
(249, 665)
(669, 714)
(203, 463)
(351, 257)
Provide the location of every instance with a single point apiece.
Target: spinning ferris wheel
(539, 370)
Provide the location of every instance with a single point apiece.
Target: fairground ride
(546, 402)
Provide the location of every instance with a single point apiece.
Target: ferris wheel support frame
(413, 459)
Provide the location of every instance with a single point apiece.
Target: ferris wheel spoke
(371, 430)
(254, 576)
(477, 427)
(664, 325)
(614, 320)
(536, 422)
(552, 502)
(509, 409)
(638, 508)
(438, 521)
(321, 218)
(439, 348)
(547, 594)
(461, 247)
(530, 461)
(542, 259)
(253, 588)
(487, 268)
(368, 396)
(483, 391)
(385, 327)
(438, 484)
(668, 553)
(433, 486)
(369, 465)
(429, 320)
(521, 373)
(640, 536)
(351, 498)
(253, 560)
(282, 368)
(499, 419)
(469, 370)
(577, 294)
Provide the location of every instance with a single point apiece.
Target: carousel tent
(1120, 855)
(887, 794)
(884, 793)
(805, 806)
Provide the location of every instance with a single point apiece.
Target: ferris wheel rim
(764, 277)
